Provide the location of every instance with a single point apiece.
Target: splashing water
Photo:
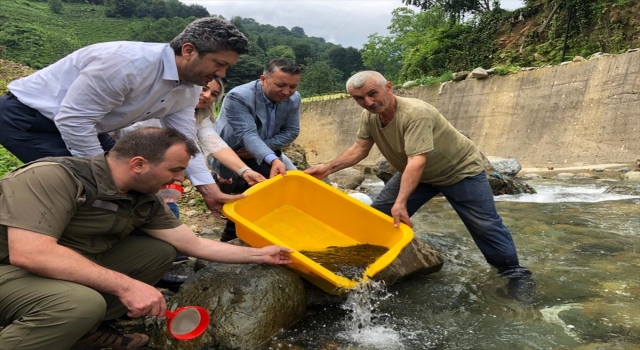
(365, 323)
(561, 193)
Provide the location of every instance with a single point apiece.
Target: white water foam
(563, 193)
(365, 324)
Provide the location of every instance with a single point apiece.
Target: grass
(8, 72)
(37, 37)
(506, 69)
(448, 76)
(333, 96)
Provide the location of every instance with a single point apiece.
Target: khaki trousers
(44, 313)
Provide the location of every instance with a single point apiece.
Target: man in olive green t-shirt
(67, 261)
(432, 157)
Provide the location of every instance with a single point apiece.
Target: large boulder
(248, 304)
(632, 176)
(505, 166)
(416, 257)
(384, 170)
(348, 178)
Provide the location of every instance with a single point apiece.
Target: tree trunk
(546, 22)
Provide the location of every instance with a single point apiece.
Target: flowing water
(582, 245)
(350, 262)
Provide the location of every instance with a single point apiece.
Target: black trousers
(238, 186)
(29, 135)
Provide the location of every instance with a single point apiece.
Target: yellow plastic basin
(301, 212)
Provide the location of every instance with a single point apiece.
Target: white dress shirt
(108, 86)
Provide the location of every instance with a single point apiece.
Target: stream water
(582, 245)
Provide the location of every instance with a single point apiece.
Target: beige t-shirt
(418, 128)
(46, 198)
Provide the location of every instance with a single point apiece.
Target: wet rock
(629, 190)
(416, 257)
(384, 170)
(502, 185)
(348, 178)
(581, 324)
(247, 303)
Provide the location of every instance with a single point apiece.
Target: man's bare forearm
(411, 177)
(352, 156)
(42, 256)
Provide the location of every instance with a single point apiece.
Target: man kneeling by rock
(67, 262)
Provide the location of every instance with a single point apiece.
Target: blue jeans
(472, 199)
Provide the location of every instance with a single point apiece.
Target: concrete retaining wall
(577, 114)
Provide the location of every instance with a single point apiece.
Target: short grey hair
(359, 79)
(210, 35)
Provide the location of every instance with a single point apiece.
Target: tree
(298, 31)
(383, 53)
(302, 50)
(261, 44)
(158, 9)
(249, 68)
(457, 8)
(281, 51)
(347, 61)
(121, 8)
(55, 6)
(319, 78)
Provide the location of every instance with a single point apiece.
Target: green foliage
(281, 51)
(320, 78)
(55, 6)
(506, 69)
(448, 76)
(347, 60)
(427, 43)
(35, 36)
(8, 72)
(8, 161)
(154, 8)
(36, 44)
(455, 8)
(159, 31)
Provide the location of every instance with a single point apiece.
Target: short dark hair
(210, 35)
(151, 143)
(283, 65)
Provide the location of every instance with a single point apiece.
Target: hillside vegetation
(33, 34)
(433, 42)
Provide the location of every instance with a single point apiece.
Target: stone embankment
(575, 114)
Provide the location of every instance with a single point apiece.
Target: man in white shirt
(69, 107)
